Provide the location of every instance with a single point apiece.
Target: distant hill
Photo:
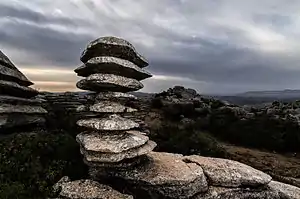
(272, 94)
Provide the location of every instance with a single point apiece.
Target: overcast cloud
(213, 46)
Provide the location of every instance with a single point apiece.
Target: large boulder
(115, 47)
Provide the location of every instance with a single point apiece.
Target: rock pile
(18, 106)
(118, 154)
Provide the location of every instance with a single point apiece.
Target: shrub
(30, 163)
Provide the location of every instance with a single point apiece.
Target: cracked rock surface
(228, 173)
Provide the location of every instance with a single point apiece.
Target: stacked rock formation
(111, 68)
(18, 106)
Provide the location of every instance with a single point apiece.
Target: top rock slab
(115, 47)
(4, 60)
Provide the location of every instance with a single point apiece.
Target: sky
(213, 46)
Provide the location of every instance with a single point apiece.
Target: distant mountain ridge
(281, 94)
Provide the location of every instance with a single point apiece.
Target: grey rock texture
(109, 82)
(114, 95)
(166, 174)
(19, 120)
(115, 47)
(17, 106)
(14, 75)
(285, 190)
(111, 123)
(238, 193)
(110, 107)
(112, 65)
(4, 60)
(87, 189)
(95, 156)
(20, 101)
(228, 173)
(25, 109)
(111, 143)
(14, 89)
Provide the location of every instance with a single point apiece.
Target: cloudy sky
(213, 46)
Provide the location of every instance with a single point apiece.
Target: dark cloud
(220, 45)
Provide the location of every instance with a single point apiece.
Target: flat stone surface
(8, 108)
(228, 173)
(21, 101)
(237, 193)
(285, 191)
(92, 156)
(111, 123)
(111, 143)
(87, 189)
(15, 120)
(109, 82)
(14, 89)
(112, 65)
(14, 75)
(115, 47)
(168, 175)
(110, 107)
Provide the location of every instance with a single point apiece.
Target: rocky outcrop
(18, 106)
(120, 155)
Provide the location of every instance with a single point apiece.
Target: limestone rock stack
(18, 106)
(111, 68)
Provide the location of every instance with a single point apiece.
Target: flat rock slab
(20, 101)
(111, 143)
(92, 156)
(115, 47)
(237, 193)
(168, 175)
(87, 189)
(110, 107)
(14, 89)
(285, 191)
(228, 173)
(112, 65)
(111, 123)
(16, 120)
(109, 82)
(13, 75)
(28, 109)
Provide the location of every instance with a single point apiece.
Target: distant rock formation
(18, 105)
(120, 155)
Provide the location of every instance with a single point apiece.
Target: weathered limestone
(114, 95)
(111, 123)
(108, 143)
(110, 107)
(237, 193)
(15, 75)
(115, 47)
(285, 190)
(228, 173)
(109, 82)
(18, 107)
(112, 65)
(86, 189)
